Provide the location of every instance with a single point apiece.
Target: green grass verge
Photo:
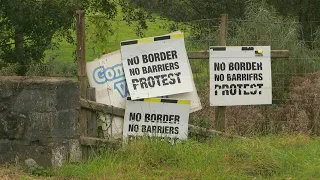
(276, 157)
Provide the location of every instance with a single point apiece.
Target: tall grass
(286, 157)
(263, 26)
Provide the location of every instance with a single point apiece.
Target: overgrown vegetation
(285, 157)
(262, 26)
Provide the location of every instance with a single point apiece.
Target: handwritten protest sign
(106, 75)
(156, 66)
(157, 117)
(240, 75)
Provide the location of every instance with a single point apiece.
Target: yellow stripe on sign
(152, 100)
(145, 40)
(176, 36)
(183, 102)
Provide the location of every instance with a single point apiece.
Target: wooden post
(92, 129)
(81, 53)
(82, 77)
(220, 111)
(92, 116)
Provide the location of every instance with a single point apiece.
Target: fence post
(81, 53)
(82, 77)
(92, 123)
(92, 128)
(220, 111)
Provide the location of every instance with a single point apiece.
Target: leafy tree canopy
(28, 26)
(189, 10)
(305, 11)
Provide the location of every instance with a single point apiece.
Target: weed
(40, 171)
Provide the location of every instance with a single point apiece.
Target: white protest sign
(106, 75)
(240, 75)
(157, 117)
(195, 104)
(156, 66)
(112, 92)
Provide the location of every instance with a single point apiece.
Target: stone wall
(39, 120)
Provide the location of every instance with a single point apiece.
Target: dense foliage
(28, 26)
(305, 11)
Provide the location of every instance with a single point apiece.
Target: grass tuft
(274, 157)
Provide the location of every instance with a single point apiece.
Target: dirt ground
(13, 172)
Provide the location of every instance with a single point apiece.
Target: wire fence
(295, 79)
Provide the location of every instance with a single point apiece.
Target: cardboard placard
(156, 66)
(111, 92)
(157, 117)
(240, 75)
(106, 75)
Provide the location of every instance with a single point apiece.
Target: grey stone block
(31, 163)
(3, 106)
(38, 100)
(5, 92)
(68, 96)
(18, 152)
(40, 125)
(66, 124)
(12, 125)
(59, 155)
(5, 148)
(39, 120)
(75, 153)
